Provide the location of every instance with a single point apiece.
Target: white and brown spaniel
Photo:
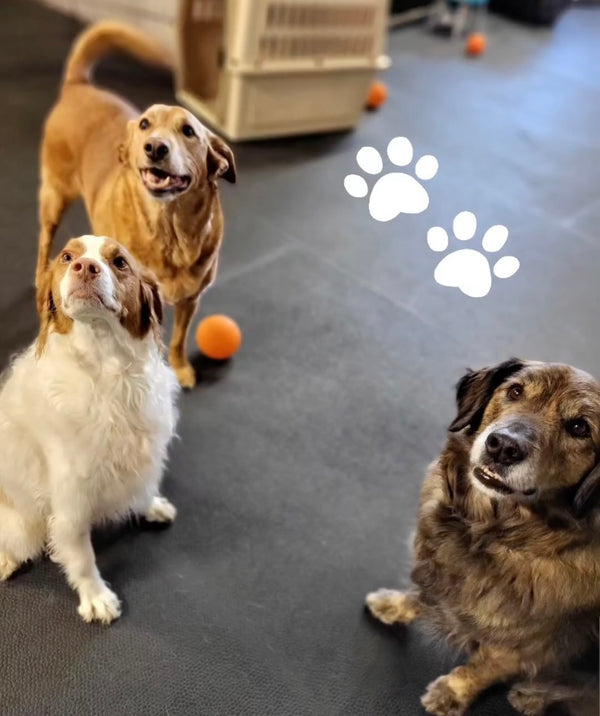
(86, 416)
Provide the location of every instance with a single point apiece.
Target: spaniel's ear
(46, 310)
(220, 160)
(151, 308)
(474, 391)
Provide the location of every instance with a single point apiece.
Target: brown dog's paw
(186, 376)
(391, 607)
(441, 700)
(527, 699)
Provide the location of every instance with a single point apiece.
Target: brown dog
(149, 180)
(507, 550)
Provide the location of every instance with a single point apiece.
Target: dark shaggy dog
(507, 550)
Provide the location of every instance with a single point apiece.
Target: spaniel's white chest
(102, 418)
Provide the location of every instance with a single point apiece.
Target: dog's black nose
(156, 150)
(505, 447)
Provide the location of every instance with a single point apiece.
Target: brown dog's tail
(103, 39)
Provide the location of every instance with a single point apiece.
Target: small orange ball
(378, 94)
(218, 337)
(476, 44)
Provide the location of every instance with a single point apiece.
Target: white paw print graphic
(468, 269)
(394, 193)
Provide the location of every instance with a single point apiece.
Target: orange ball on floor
(378, 94)
(476, 44)
(218, 337)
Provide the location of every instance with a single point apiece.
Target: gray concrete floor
(299, 466)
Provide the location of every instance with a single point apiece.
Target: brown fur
(93, 147)
(513, 581)
(136, 291)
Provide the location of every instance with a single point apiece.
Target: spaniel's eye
(514, 392)
(578, 428)
(66, 258)
(188, 130)
(144, 123)
(120, 263)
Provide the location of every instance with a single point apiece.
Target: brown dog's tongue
(155, 182)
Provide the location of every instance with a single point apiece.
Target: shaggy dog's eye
(188, 130)
(514, 392)
(578, 428)
(120, 263)
(66, 258)
(144, 123)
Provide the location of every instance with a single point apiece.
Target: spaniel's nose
(87, 269)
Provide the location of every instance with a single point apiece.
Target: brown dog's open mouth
(490, 480)
(159, 181)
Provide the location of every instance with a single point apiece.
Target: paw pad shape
(393, 193)
(469, 269)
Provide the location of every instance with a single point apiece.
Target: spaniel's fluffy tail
(106, 38)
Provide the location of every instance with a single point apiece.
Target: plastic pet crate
(267, 68)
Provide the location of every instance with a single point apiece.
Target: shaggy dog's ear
(474, 391)
(587, 489)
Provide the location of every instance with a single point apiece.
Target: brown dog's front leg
(451, 695)
(184, 312)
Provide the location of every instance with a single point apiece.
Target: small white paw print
(468, 269)
(394, 193)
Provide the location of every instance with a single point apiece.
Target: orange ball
(377, 95)
(476, 44)
(218, 337)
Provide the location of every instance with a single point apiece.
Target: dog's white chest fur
(91, 418)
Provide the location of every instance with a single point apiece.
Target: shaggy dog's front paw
(391, 607)
(440, 699)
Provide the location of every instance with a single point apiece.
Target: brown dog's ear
(474, 391)
(123, 149)
(586, 490)
(220, 160)
(151, 309)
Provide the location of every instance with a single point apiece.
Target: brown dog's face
(535, 428)
(175, 153)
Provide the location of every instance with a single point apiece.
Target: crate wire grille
(296, 31)
(207, 10)
(280, 48)
(295, 15)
